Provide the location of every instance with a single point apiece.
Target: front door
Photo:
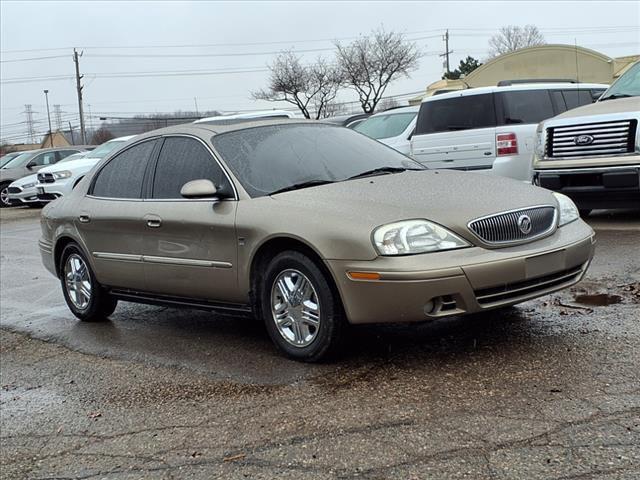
(190, 245)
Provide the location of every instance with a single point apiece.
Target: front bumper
(420, 287)
(594, 187)
(48, 192)
(18, 195)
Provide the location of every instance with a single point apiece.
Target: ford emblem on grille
(583, 140)
(524, 224)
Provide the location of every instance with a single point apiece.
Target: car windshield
(7, 158)
(628, 85)
(385, 126)
(18, 161)
(272, 158)
(105, 149)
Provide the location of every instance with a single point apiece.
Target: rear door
(190, 245)
(110, 218)
(457, 132)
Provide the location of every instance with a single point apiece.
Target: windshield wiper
(380, 171)
(615, 95)
(298, 186)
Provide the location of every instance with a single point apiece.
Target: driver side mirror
(30, 165)
(201, 188)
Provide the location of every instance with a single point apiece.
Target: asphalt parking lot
(550, 389)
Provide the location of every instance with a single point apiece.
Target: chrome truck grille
(591, 139)
(515, 226)
(46, 178)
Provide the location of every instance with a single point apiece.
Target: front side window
(181, 160)
(48, 158)
(526, 106)
(458, 113)
(123, 176)
(271, 158)
(386, 126)
(577, 98)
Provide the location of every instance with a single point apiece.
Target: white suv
(492, 128)
(392, 127)
(58, 180)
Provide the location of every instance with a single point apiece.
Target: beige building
(558, 62)
(59, 140)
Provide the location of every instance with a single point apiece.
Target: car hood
(616, 105)
(28, 179)
(72, 165)
(447, 197)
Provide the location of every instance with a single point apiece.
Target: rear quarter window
(459, 113)
(525, 107)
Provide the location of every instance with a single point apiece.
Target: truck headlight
(539, 142)
(568, 212)
(415, 236)
(62, 174)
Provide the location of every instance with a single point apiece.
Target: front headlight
(568, 212)
(415, 236)
(29, 185)
(61, 174)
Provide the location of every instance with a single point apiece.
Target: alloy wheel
(78, 281)
(295, 308)
(4, 197)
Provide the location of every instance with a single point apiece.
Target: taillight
(506, 144)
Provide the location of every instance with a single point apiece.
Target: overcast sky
(233, 36)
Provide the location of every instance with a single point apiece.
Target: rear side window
(578, 98)
(181, 160)
(526, 106)
(123, 176)
(459, 113)
(48, 158)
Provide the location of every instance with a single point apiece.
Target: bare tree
(512, 37)
(101, 135)
(388, 102)
(370, 64)
(308, 87)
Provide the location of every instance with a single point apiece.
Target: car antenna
(575, 43)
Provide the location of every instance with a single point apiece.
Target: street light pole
(46, 96)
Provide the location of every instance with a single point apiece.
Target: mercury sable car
(307, 226)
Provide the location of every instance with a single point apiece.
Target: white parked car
(391, 127)
(58, 180)
(23, 191)
(492, 128)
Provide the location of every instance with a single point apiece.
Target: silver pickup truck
(592, 153)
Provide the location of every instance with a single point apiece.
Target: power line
(32, 59)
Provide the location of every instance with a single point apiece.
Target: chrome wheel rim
(4, 196)
(295, 308)
(77, 281)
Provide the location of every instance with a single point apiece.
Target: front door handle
(84, 218)
(153, 221)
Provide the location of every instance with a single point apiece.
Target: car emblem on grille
(524, 224)
(583, 140)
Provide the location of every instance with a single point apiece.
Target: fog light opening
(440, 305)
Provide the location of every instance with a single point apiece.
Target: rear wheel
(85, 297)
(4, 195)
(301, 312)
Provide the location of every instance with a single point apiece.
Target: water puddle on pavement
(597, 299)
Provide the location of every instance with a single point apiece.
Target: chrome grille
(503, 227)
(591, 139)
(46, 178)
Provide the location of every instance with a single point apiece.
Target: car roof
(247, 115)
(394, 111)
(515, 88)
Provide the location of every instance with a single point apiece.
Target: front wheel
(4, 195)
(85, 297)
(301, 311)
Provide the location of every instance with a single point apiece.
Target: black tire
(584, 212)
(331, 330)
(100, 304)
(4, 201)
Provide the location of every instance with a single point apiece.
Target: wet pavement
(549, 389)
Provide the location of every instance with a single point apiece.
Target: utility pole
(446, 53)
(31, 132)
(57, 114)
(46, 96)
(79, 89)
(73, 140)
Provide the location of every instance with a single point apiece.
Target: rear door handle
(84, 218)
(153, 221)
